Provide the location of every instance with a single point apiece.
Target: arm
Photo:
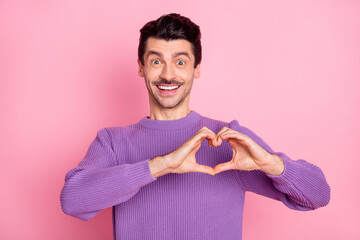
(100, 182)
(298, 184)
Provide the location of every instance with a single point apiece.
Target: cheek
(152, 74)
(187, 75)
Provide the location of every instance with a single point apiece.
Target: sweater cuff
(140, 174)
(290, 173)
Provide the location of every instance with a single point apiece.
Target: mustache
(165, 82)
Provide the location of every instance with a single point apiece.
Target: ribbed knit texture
(115, 172)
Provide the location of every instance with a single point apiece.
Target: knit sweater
(115, 173)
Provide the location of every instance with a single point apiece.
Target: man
(158, 174)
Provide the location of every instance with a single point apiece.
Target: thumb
(204, 169)
(223, 167)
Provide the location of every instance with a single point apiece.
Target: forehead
(168, 47)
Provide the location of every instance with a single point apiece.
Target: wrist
(158, 166)
(275, 166)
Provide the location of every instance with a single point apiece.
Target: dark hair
(170, 27)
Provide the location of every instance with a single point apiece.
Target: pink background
(288, 70)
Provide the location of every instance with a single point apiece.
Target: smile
(168, 88)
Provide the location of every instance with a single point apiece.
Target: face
(168, 71)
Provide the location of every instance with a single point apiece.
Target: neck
(160, 113)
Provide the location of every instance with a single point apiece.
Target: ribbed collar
(191, 119)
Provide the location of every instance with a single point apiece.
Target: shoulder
(118, 133)
(127, 130)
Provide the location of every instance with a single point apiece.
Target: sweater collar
(191, 119)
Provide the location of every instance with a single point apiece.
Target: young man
(161, 181)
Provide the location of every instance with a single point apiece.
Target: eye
(155, 61)
(181, 62)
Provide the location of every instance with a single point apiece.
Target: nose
(167, 73)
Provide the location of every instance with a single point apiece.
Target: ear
(197, 71)
(141, 68)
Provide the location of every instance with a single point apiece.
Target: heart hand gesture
(247, 155)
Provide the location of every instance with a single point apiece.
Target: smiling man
(168, 68)
(176, 174)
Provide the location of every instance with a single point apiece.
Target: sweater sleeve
(302, 185)
(100, 182)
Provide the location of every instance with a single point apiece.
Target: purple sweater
(115, 173)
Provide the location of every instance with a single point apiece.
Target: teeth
(168, 87)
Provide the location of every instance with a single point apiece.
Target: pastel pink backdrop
(288, 70)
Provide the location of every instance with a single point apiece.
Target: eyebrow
(155, 53)
(180, 54)
(175, 55)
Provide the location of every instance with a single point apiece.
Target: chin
(169, 104)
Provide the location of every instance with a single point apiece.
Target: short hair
(171, 27)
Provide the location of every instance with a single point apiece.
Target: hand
(182, 160)
(247, 154)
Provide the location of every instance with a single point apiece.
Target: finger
(218, 140)
(204, 129)
(227, 130)
(194, 143)
(234, 135)
(224, 129)
(204, 133)
(223, 167)
(210, 139)
(204, 169)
